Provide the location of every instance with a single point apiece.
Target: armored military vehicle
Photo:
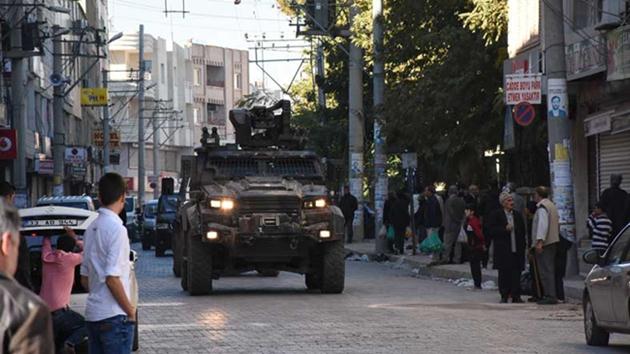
(258, 205)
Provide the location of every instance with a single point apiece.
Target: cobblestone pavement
(383, 310)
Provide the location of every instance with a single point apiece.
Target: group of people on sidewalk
(45, 323)
(497, 225)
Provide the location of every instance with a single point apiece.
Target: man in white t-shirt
(109, 314)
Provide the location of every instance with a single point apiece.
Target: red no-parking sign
(524, 113)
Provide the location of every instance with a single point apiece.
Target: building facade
(220, 78)
(597, 55)
(82, 20)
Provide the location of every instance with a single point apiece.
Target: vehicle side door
(620, 278)
(601, 279)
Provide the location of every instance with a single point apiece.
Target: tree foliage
(489, 17)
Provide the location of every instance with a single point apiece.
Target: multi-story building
(220, 78)
(82, 20)
(597, 55)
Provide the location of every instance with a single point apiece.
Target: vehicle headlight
(224, 204)
(315, 203)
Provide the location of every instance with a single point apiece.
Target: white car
(50, 221)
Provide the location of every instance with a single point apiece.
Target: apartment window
(587, 13)
(197, 77)
(162, 72)
(215, 76)
(237, 81)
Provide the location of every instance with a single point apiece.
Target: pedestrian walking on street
(488, 204)
(25, 324)
(105, 272)
(57, 280)
(475, 242)
(472, 197)
(600, 227)
(453, 218)
(429, 214)
(399, 216)
(23, 273)
(545, 238)
(387, 223)
(613, 201)
(507, 230)
(348, 205)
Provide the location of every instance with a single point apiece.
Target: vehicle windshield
(78, 205)
(128, 205)
(271, 167)
(168, 204)
(150, 210)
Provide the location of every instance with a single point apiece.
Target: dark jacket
(475, 234)
(348, 205)
(429, 213)
(495, 224)
(25, 323)
(23, 272)
(613, 202)
(399, 213)
(387, 208)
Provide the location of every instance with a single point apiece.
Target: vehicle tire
(268, 273)
(177, 256)
(159, 251)
(595, 335)
(145, 244)
(136, 340)
(199, 267)
(313, 281)
(184, 273)
(333, 268)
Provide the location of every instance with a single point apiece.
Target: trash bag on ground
(431, 244)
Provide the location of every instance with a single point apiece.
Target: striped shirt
(600, 227)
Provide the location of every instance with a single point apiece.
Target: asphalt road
(383, 310)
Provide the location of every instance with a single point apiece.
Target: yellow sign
(96, 96)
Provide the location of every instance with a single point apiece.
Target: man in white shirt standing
(545, 238)
(105, 272)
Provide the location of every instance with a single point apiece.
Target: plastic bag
(431, 244)
(382, 233)
(408, 232)
(390, 233)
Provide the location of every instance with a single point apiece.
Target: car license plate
(58, 222)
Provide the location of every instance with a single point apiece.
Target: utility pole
(18, 81)
(321, 74)
(380, 157)
(106, 166)
(59, 139)
(140, 114)
(156, 154)
(559, 128)
(356, 126)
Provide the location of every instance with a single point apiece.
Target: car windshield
(168, 204)
(78, 205)
(128, 205)
(273, 167)
(149, 210)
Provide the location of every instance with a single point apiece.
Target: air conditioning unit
(612, 12)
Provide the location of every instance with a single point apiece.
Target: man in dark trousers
(348, 205)
(399, 217)
(507, 229)
(613, 201)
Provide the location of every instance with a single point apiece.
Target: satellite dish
(57, 80)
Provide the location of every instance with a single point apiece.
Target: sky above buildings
(221, 23)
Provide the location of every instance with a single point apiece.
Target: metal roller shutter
(614, 158)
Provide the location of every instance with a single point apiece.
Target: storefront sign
(114, 138)
(45, 167)
(585, 58)
(78, 171)
(523, 88)
(76, 155)
(92, 97)
(8, 146)
(619, 53)
(597, 124)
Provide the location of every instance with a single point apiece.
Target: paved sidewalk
(573, 287)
